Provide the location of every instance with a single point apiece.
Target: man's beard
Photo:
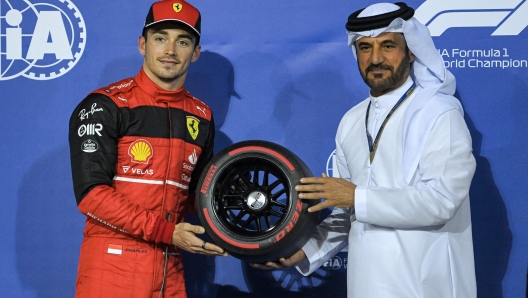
(393, 80)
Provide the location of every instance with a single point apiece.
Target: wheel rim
(253, 198)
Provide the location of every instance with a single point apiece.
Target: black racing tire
(247, 203)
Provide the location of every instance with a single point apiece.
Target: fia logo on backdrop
(335, 263)
(40, 40)
(331, 166)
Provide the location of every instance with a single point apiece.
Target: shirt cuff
(311, 250)
(162, 231)
(360, 203)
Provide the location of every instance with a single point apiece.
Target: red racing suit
(136, 154)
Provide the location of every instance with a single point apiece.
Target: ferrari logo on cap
(192, 126)
(177, 7)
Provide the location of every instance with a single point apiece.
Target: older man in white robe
(405, 160)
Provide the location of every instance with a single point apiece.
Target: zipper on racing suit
(162, 210)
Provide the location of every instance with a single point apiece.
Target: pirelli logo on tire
(208, 179)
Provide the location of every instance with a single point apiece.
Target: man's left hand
(337, 192)
(184, 237)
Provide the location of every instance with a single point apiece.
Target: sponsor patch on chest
(140, 151)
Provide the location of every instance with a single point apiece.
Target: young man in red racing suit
(137, 149)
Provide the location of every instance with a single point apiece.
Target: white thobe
(404, 239)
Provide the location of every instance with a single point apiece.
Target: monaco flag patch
(115, 249)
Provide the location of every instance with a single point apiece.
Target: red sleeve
(93, 174)
(104, 204)
(162, 232)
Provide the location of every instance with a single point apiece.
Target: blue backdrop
(274, 70)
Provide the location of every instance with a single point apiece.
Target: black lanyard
(374, 147)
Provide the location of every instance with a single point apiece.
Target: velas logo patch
(140, 151)
(177, 7)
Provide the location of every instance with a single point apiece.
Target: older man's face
(384, 62)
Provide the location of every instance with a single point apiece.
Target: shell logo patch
(140, 151)
(193, 126)
(177, 7)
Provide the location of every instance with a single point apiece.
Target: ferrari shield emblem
(193, 126)
(177, 7)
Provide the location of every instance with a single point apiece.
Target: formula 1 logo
(509, 16)
(39, 40)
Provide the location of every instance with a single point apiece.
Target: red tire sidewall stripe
(257, 148)
(223, 237)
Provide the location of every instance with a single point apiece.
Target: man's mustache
(379, 67)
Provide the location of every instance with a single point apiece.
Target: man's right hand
(184, 237)
(282, 263)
